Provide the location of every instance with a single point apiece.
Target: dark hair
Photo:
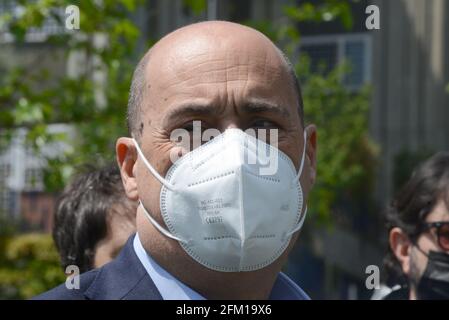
(138, 86)
(428, 184)
(136, 97)
(81, 214)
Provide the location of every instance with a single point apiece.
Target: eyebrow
(265, 107)
(188, 109)
(197, 109)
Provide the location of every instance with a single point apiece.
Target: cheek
(159, 161)
(427, 242)
(146, 182)
(291, 149)
(416, 265)
(148, 187)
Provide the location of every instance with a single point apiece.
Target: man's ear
(126, 158)
(400, 244)
(311, 152)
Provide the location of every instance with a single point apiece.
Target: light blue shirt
(171, 288)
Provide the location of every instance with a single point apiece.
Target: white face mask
(224, 213)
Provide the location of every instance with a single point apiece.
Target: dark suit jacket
(123, 278)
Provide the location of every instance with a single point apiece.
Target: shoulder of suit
(61, 292)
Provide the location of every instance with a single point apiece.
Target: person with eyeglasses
(418, 229)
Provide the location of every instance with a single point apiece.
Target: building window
(323, 57)
(355, 54)
(326, 52)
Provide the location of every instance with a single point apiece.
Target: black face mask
(434, 283)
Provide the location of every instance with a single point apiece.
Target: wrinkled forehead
(205, 59)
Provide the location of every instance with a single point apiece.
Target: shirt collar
(171, 288)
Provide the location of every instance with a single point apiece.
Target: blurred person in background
(417, 263)
(93, 219)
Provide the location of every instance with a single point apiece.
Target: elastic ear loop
(160, 228)
(302, 158)
(167, 184)
(301, 222)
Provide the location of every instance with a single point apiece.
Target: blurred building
(406, 62)
(22, 194)
(20, 172)
(410, 71)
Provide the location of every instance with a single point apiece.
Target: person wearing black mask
(418, 225)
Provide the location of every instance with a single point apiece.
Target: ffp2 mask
(225, 214)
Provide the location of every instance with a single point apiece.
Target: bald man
(217, 218)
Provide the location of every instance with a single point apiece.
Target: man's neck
(209, 283)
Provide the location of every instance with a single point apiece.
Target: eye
(190, 125)
(264, 124)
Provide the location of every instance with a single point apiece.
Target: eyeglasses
(442, 228)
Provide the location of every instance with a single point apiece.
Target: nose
(230, 124)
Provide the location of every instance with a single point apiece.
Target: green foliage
(197, 7)
(285, 32)
(327, 11)
(34, 98)
(346, 155)
(29, 265)
(31, 97)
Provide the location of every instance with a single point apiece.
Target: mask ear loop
(160, 228)
(167, 184)
(301, 166)
(421, 250)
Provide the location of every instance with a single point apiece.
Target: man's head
(412, 222)
(222, 74)
(138, 93)
(93, 219)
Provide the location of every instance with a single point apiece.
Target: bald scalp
(216, 29)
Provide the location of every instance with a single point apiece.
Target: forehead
(206, 66)
(440, 212)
